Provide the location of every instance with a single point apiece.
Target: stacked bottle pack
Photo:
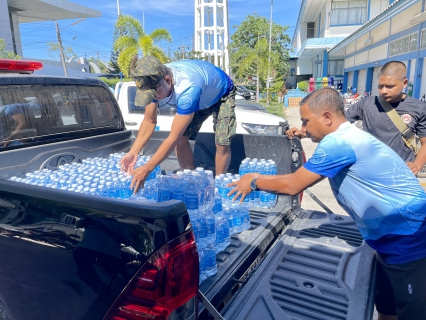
(214, 218)
(93, 176)
(213, 214)
(260, 199)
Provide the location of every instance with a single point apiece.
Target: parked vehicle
(242, 93)
(71, 255)
(244, 89)
(251, 118)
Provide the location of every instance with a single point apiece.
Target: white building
(398, 32)
(321, 25)
(212, 32)
(14, 12)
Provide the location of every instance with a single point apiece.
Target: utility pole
(118, 8)
(58, 34)
(182, 48)
(268, 101)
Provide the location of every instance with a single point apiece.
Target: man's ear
(326, 115)
(405, 82)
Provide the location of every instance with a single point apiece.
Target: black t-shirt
(377, 122)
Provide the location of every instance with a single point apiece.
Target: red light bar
(19, 66)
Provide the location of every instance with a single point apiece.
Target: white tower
(211, 31)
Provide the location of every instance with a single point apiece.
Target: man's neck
(399, 99)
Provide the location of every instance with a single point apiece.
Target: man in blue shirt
(376, 188)
(197, 89)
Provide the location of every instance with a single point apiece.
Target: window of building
(423, 39)
(404, 44)
(335, 67)
(310, 30)
(348, 12)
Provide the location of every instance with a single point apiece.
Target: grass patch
(274, 108)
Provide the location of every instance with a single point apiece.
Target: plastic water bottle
(245, 214)
(202, 237)
(210, 253)
(228, 214)
(217, 207)
(223, 238)
(204, 264)
(178, 186)
(272, 171)
(211, 224)
(224, 189)
(165, 192)
(191, 194)
(243, 167)
(125, 192)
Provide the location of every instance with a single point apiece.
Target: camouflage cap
(147, 73)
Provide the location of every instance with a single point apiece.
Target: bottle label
(238, 221)
(203, 233)
(178, 196)
(220, 236)
(230, 222)
(264, 197)
(164, 196)
(211, 227)
(212, 259)
(191, 202)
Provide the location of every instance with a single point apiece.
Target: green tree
(55, 53)
(4, 54)
(118, 32)
(251, 38)
(135, 41)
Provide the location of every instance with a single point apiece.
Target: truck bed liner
(320, 268)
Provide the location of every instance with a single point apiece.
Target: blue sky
(94, 35)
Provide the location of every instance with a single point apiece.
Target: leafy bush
(303, 86)
(111, 82)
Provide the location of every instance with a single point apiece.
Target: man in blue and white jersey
(197, 89)
(376, 188)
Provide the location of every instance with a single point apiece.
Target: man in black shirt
(392, 81)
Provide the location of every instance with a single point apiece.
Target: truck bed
(40, 247)
(320, 268)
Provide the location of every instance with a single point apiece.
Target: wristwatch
(253, 186)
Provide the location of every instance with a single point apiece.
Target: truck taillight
(19, 66)
(165, 282)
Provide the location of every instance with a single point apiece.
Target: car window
(30, 112)
(131, 93)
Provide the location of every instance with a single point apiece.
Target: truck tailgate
(320, 268)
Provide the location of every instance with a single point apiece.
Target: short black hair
(394, 69)
(324, 99)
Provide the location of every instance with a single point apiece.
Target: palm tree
(135, 41)
(249, 60)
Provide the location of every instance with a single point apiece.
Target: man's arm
(355, 112)
(180, 122)
(420, 160)
(291, 184)
(146, 129)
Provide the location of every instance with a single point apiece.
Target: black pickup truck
(68, 255)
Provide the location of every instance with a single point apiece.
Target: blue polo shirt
(377, 189)
(197, 85)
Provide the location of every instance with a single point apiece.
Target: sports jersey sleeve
(331, 155)
(355, 112)
(189, 101)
